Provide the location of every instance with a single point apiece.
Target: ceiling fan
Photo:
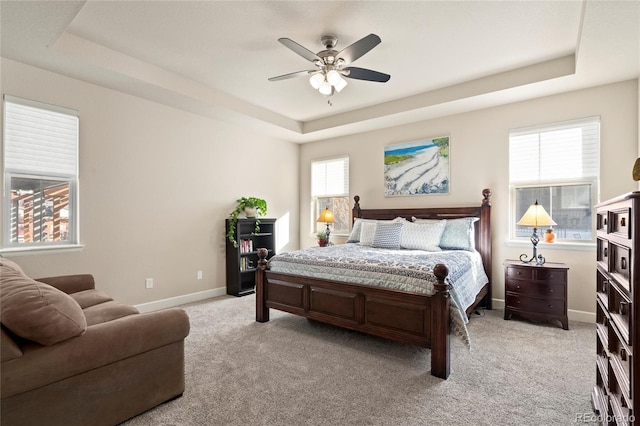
(331, 66)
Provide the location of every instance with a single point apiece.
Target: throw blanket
(406, 270)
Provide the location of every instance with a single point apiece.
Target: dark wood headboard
(482, 226)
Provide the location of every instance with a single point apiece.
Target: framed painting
(417, 168)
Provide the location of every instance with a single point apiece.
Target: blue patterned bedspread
(406, 270)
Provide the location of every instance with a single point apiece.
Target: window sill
(591, 246)
(25, 251)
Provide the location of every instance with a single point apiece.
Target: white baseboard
(580, 316)
(181, 300)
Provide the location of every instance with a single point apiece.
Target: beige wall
(479, 159)
(156, 184)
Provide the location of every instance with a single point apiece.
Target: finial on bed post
(262, 312)
(440, 343)
(355, 212)
(486, 193)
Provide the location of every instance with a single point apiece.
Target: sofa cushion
(107, 311)
(87, 298)
(37, 311)
(8, 347)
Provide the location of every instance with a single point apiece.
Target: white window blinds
(330, 178)
(561, 151)
(40, 139)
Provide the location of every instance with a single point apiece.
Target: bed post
(262, 312)
(440, 306)
(355, 212)
(485, 240)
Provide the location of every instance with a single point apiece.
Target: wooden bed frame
(418, 319)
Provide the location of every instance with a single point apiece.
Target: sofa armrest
(70, 283)
(101, 344)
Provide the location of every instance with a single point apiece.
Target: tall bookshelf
(243, 260)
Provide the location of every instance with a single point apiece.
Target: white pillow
(459, 234)
(354, 236)
(367, 232)
(422, 236)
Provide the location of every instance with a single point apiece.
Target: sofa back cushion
(37, 311)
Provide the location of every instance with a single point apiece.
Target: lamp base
(539, 259)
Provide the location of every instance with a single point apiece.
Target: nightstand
(537, 292)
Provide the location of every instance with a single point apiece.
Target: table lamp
(327, 217)
(535, 216)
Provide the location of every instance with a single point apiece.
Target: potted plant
(323, 240)
(252, 207)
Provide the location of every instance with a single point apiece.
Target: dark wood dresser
(537, 292)
(615, 396)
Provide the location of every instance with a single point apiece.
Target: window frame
(314, 206)
(594, 181)
(70, 177)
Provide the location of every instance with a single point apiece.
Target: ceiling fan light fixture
(340, 84)
(316, 80)
(333, 77)
(325, 88)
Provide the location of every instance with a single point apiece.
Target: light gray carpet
(291, 371)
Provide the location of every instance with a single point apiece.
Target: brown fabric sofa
(71, 355)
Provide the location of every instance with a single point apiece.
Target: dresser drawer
(602, 289)
(548, 290)
(532, 304)
(620, 223)
(602, 253)
(620, 312)
(602, 219)
(620, 263)
(620, 359)
(519, 272)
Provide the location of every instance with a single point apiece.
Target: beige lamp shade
(326, 216)
(536, 216)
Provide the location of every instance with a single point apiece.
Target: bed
(418, 318)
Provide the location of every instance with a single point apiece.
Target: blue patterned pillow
(422, 236)
(354, 236)
(387, 235)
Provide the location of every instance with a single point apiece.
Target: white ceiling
(214, 57)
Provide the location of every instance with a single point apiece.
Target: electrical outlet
(199, 275)
(148, 283)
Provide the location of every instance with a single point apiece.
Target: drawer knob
(604, 252)
(604, 221)
(518, 287)
(623, 308)
(623, 263)
(550, 290)
(623, 221)
(623, 354)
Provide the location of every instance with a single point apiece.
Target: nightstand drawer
(550, 275)
(519, 272)
(532, 304)
(547, 290)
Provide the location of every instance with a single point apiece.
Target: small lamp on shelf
(327, 217)
(535, 216)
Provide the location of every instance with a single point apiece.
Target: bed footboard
(416, 319)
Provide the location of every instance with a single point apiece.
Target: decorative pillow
(422, 236)
(459, 234)
(354, 236)
(367, 232)
(387, 235)
(37, 311)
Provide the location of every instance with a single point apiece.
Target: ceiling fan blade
(359, 48)
(300, 50)
(292, 75)
(365, 74)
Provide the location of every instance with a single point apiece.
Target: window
(559, 166)
(40, 175)
(330, 189)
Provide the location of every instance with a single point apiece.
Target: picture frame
(417, 168)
